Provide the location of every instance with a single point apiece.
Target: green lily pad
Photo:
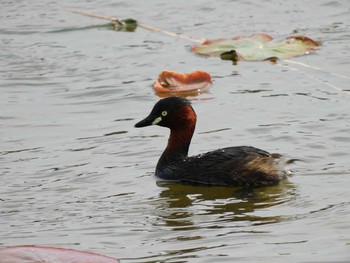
(257, 47)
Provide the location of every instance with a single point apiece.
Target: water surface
(76, 173)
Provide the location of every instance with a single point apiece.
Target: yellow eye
(164, 113)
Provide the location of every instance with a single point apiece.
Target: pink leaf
(37, 254)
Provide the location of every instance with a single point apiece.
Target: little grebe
(240, 166)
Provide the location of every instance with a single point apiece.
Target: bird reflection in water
(183, 205)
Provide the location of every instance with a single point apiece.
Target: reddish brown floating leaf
(170, 81)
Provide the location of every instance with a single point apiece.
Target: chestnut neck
(179, 141)
(181, 132)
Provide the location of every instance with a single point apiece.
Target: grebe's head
(171, 112)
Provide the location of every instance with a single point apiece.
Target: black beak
(145, 122)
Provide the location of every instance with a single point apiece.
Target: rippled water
(75, 173)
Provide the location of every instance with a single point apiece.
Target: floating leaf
(257, 47)
(126, 25)
(32, 254)
(170, 81)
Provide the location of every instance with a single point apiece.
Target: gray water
(75, 173)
